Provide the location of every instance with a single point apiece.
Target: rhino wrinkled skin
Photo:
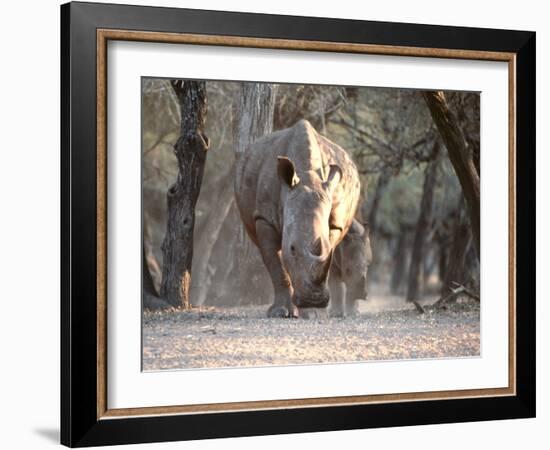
(297, 193)
(348, 272)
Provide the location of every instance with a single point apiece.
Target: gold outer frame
(104, 35)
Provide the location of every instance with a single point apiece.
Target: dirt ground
(386, 328)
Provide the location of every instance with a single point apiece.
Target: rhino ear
(287, 172)
(334, 177)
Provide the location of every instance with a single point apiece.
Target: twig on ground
(455, 291)
(467, 291)
(444, 300)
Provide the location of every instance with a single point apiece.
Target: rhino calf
(348, 273)
(297, 194)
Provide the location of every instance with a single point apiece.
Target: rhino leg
(268, 242)
(337, 290)
(352, 306)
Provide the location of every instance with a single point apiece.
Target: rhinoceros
(348, 272)
(297, 193)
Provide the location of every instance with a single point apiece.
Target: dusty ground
(229, 337)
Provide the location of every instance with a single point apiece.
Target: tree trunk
(381, 186)
(222, 260)
(154, 269)
(429, 264)
(255, 114)
(151, 299)
(190, 151)
(400, 259)
(443, 257)
(460, 155)
(212, 228)
(255, 120)
(456, 267)
(377, 241)
(148, 285)
(423, 225)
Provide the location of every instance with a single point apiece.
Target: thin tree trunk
(255, 114)
(190, 151)
(456, 268)
(428, 266)
(460, 155)
(213, 226)
(148, 284)
(381, 186)
(443, 258)
(422, 227)
(372, 220)
(223, 259)
(154, 268)
(151, 298)
(400, 259)
(255, 120)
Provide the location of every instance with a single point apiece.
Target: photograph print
(288, 224)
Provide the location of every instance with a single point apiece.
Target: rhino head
(309, 231)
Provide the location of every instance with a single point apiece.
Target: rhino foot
(337, 313)
(313, 313)
(293, 311)
(352, 309)
(282, 311)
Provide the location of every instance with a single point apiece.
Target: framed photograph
(277, 224)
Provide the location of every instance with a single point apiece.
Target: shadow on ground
(49, 434)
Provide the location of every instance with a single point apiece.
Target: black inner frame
(79, 424)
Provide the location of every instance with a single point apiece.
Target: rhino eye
(293, 250)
